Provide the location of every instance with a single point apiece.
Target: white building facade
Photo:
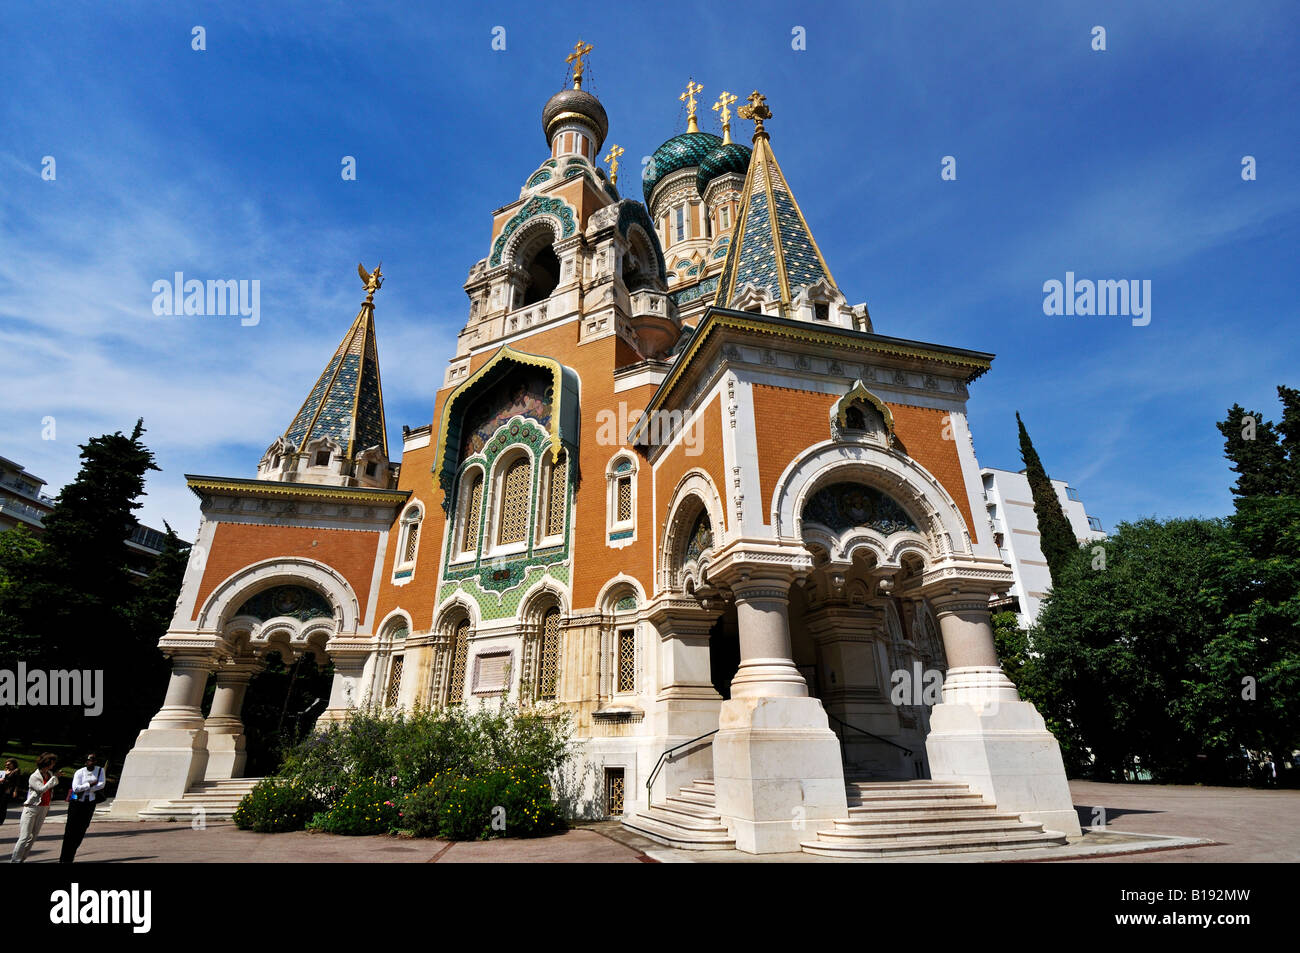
(1010, 505)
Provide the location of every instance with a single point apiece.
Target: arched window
(548, 664)
(556, 497)
(516, 487)
(457, 652)
(408, 542)
(470, 509)
(543, 275)
(620, 505)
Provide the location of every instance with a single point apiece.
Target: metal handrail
(863, 731)
(660, 763)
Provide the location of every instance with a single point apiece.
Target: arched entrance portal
(845, 634)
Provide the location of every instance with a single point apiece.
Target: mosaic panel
(842, 506)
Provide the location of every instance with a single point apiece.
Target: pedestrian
(40, 786)
(9, 782)
(86, 784)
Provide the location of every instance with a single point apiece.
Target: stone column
(686, 703)
(854, 691)
(776, 762)
(347, 691)
(226, 754)
(172, 753)
(982, 733)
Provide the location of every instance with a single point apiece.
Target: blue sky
(226, 164)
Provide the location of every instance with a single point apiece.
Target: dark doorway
(724, 651)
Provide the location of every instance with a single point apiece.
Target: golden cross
(756, 110)
(612, 159)
(580, 50)
(688, 98)
(725, 100)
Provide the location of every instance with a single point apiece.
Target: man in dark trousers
(86, 784)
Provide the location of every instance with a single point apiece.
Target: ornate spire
(772, 249)
(577, 58)
(688, 98)
(347, 402)
(756, 110)
(612, 158)
(721, 107)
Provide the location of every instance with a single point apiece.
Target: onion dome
(680, 152)
(728, 157)
(575, 105)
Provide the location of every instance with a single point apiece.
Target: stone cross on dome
(688, 98)
(577, 58)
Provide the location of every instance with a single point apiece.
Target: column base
(1001, 748)
(163, 765)
(226, 756)
(777, 772)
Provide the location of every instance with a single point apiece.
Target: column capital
(677, 616)
(752, 563)
(968, 580)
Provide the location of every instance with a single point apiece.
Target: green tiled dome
(679, 152)
(732, 157)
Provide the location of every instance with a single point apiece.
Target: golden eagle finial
(374, 279)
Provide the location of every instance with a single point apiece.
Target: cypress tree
(1056, 538)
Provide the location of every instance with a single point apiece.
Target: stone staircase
(886, 819)
(908, 818)
(217, 798)
(685, 820)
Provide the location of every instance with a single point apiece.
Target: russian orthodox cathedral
(674, 482)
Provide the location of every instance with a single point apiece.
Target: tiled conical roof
(347, 402)
(771, 247)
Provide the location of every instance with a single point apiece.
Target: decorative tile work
(842, 506)
(701, 537)
(296, 602)
(679, 152)
(537, 205)
(621, 534)
(630, 212)
(705, 287)
(504, 604)
(537, 179)
(626, 604)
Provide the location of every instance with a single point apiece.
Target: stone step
(945, 844)
(908, 818)
(694, 797)
(674, 835)
(687, 808)
(924, 830)
(890, 799)
(866, 787)
(673, 819)
(217, 799)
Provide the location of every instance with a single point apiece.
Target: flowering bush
(499, 802)
(365, 807)
(276, 805)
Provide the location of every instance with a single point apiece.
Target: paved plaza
(1143, 824)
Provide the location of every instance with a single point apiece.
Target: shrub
(421, 744)
(501, 802)
(276, 805)
(366, 807)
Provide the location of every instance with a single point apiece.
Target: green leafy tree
(1120, 653)
(1253, 665)
(69, 600)
(1055, 535)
